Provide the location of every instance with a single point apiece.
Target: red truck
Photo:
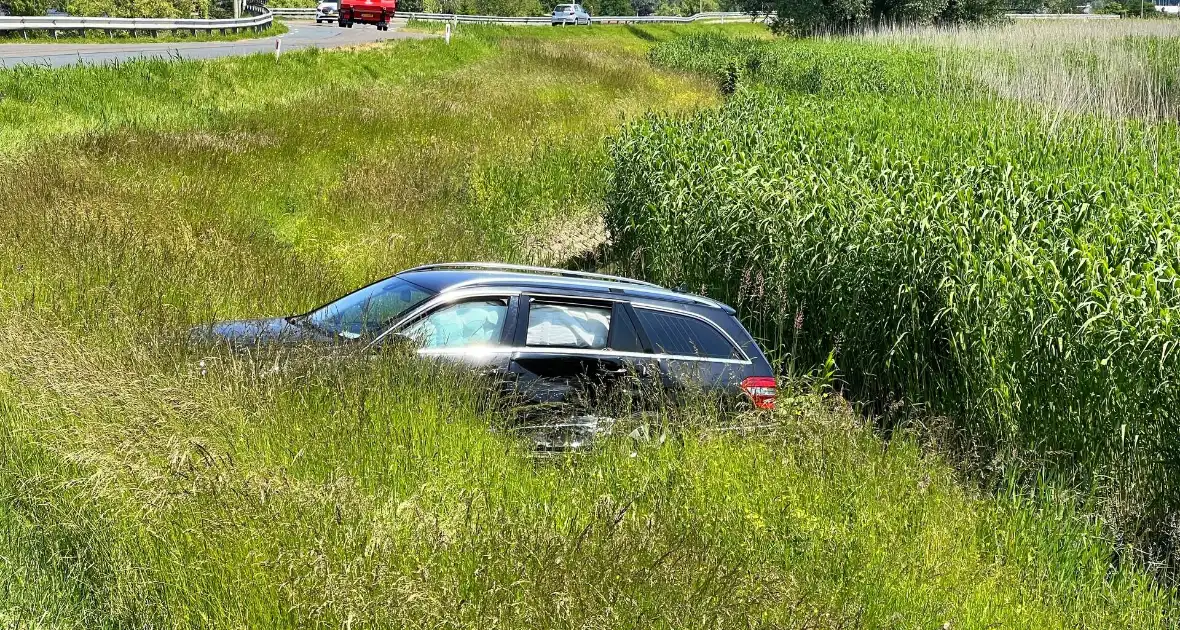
(378, 12)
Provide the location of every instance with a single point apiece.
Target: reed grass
(1002, 263)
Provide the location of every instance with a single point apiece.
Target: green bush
(29, 7)
(131, 8)
(817, 67)
(817, 17)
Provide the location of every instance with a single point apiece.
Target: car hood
(254, 332)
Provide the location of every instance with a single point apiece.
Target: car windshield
(369, 310)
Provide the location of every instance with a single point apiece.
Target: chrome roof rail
(529, 269)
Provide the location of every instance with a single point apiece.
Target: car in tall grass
(575, 14)
(327, 11)
(549, 336)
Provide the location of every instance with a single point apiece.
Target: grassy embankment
(980, 223)
(138, 488)
(122, 37)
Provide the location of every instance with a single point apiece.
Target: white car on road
(327, 11)
(570, 14)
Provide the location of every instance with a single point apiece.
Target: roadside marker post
(278, 43)
(448, 33)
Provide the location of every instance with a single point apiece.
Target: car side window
(683, 335)
(568, 325)
(623, 336)
(469, 323)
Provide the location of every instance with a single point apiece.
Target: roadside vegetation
(975, 228)
(144, 485)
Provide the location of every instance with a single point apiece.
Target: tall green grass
(324, 494)
(144, 483)
(1013, 273)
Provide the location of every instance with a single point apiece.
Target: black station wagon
(544, 332)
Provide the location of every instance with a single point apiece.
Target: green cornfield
(989, 261)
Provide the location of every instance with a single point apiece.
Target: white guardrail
(260, 20)
(716, 16)
(1061, 16)
(263, 16)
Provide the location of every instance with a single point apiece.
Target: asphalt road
(300, 35)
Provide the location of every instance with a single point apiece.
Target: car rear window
(568, 326)
(683, 335)
(563, 8)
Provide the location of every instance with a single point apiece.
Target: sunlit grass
(144, 484)
(998, 261)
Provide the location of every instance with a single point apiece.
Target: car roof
(450, 276)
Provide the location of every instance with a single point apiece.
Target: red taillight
(761, 390)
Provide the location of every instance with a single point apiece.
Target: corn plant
(956, 250)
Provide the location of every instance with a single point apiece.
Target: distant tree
(812, 17)
(441, 6)
(676, 7)
(1025, 6)
(644, 7)
(30, 7)
(500, 7)
(970, 11)
(1062, 6)
(616, 7)
(1137, 8)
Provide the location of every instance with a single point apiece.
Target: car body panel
(254, 332)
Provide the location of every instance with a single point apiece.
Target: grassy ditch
(142, 484)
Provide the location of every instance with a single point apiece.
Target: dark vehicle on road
(548, 336)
